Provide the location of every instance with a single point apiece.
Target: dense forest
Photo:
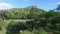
(38, 19)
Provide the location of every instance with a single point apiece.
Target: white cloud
(4, 5)
(58, 3)
(51, 4)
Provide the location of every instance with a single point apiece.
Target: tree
(30, 25)
(58, 8)
(15, 27)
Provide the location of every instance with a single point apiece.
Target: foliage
(49, 21)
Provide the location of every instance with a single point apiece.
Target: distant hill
(21, 12)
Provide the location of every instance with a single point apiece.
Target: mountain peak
(32, 7)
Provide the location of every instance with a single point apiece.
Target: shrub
(15, 27)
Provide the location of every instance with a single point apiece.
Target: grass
(6, 22)
(26, 32)
(3, 31)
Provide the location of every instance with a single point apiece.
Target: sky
(42, 4)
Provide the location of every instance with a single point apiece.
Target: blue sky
(43, 4)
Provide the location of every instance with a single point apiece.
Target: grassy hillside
(29, 20)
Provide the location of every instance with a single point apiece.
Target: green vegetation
(30, 20)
